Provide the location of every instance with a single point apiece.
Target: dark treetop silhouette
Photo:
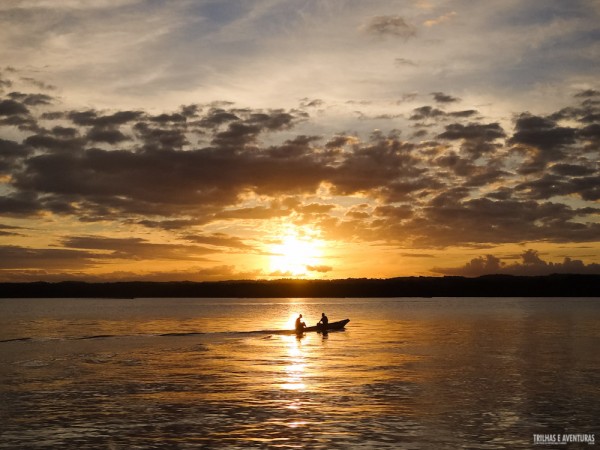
(485, 286)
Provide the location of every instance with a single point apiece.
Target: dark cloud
(109, 136)
(12, 108)
(426, 112)
(431, 113)
(588, 111)
(440, 97)
(542, 139)
(54, 144)
(406, 189)
(531, 264)
(31, 99)
(169, 118)
(477, 138)
(384, 161)
(20, 204)
(82, 117)
(156, 139)
(174, 224)
(274, 120)
(15, 257)
(91, 118)
(217, 117)
(451, 219)
(588, 188)
(482, 132)
(136, 248)
(65, 132)
(463, 114)
(237, 135)
(9, 230)
(552, 185)
(392, 26)
(564, 169)
(190, 110)
(221, 240)
(11, 152)
(588, 93)
(542, 133)
(52, 115)
(591, 133)
(200, 165)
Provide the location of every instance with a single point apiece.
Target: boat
(331, 326)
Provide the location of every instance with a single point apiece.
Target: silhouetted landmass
(485, 286)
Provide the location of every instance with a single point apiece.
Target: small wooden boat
(331, 326)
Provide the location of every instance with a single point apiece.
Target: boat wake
(337, 326)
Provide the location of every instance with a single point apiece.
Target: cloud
(441, 19)
(440, 97)
(531, 264)
(11, 153)
(542, 139)
(213, 273)
(453, 219)
(106, 135)
(200, 169)
(427, 112)
(12, 108)
(8, 230)
(92, 118)
(221, 240)
(21, 204)
(136, 248)
(319, 268)
(477, 138)
(550, 185)
(31, 99)
(263, 126)
(404, 62)
(542, 133)
(431, 113)
(392, 26)
(18, 258)
(482, 132)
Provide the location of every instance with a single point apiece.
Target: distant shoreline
(558, 285)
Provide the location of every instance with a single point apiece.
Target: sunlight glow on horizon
(295, 254)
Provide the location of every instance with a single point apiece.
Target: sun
(295, 255)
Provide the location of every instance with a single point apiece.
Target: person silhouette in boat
(300, 325)
(323, 322)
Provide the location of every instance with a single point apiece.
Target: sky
(266, 139)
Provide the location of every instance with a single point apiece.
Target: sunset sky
(264, 139)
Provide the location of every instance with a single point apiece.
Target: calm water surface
(473, 373)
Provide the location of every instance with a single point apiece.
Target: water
(473, 373)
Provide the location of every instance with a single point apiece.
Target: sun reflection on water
(296, 369)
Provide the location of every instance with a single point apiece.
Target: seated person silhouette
(300, 325)
(323, 322)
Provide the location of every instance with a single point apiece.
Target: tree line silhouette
(558, 285)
